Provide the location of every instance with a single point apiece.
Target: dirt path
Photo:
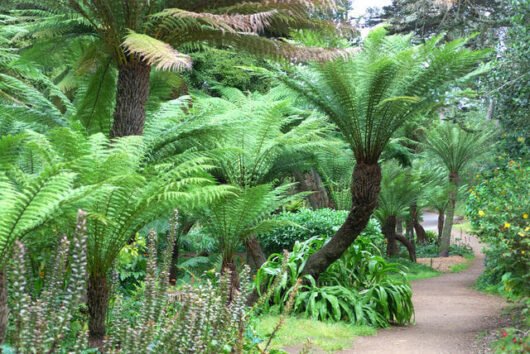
(449, 316)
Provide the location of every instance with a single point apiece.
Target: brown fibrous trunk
(3, 306)
(98, 291)
(365, 190)
(421, 235)
(173, 268)
(255, 255)
(445, 242)
(132, 91)
(411, 248)
(441, 217)
(230, 266)
(389, 231)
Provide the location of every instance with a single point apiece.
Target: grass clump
(415, 271)
(296, 331)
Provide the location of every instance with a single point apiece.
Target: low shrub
(320, 222)
(498, 210)
(357, 288)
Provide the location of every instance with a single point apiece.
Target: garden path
(449, 315)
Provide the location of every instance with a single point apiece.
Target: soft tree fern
(140, 35)
(456, 149)
(369, 97)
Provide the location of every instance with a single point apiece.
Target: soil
(442, 264)
(450, 317)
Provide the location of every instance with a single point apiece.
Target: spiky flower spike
(41, 325)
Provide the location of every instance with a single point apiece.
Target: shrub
(498, 210)
(320, 222)
(356, 288)
(46, 323)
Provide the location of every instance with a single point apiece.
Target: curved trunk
(410, 246)
(230, 266)
(448, 224)
(304, 187)
(322, 193)
(441, 216)
(421, 235)
(389, 231)
(3, 306)
(132, 91)
(365, 189)
(98, 291)
(255, 254)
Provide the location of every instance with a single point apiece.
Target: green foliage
(356, 288)
(320, 222)
(498, 210)
(371, 95)
(238, 216)
(50, 320)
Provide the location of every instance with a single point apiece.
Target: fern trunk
(98, 292)
(230, 266)
(411, 248)
(420, 231)
(448, 224)
(441, 217)
(3, 306)
(132, 92)
(365, 190)
(255, 253)
(389, 231)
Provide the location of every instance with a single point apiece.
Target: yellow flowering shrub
(498, 211)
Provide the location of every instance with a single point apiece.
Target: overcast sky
(360, 6)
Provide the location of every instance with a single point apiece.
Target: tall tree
(141, 35)
(456, 149)
(369, 97)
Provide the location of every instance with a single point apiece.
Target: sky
(360, 6)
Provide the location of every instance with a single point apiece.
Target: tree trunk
(409, 228)
(98, 291)
(304, 187)
(173, 269)
(448, 224)
(3, 306)
(410, 246)
(441, 217)
(255, 253)
(365, 189)
(421, 235)
(230, 266)
(399, 226)
(132, 91)
(322, 194)
(389, 231)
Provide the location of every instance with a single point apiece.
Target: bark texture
(389, 231)
(97, 301)
(173, 269)
(255, 254)
(441, 217)
(365, 189)
(421, 235)
(230, 266)
(3, 306)
(448, 224)
(132, 91)
(411, 248)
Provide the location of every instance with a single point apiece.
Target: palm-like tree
(140, 35)
(456, 149)
(399, 190)
(369, 97)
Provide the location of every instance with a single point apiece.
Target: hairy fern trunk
(365, 189)
(445, 242)
(230, 266)
(98, 292)
(3, 306)
(389, 231)
(255, 253)
(132, 92)
(441, 217)
(420, 231)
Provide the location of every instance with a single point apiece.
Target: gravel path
(449, 316)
